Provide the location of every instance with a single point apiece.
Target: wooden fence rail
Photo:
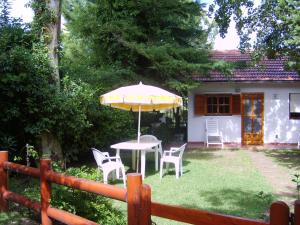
(140, 208)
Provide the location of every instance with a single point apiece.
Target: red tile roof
(265, 70)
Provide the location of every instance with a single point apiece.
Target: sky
(231, 40)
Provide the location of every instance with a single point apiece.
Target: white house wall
(277, 125)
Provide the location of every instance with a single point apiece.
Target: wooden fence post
(145, 212)
(45, 165)
(279, 213)
(3, 180)
(297, 212)
(134, 186)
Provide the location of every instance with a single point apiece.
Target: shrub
(91, 206)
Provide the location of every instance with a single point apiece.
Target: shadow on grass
(201, 154)
(150, 171)
(150, 164)
(286, 158)
(236, 202)
(208, 153)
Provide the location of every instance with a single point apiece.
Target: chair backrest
(150, 138)
(212, 127)
(147, 138)
(181, 149)
(99, 156)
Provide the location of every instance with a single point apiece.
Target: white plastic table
(134, 146)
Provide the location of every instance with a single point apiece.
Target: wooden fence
(140, 208)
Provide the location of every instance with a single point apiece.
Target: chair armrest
(114, 157)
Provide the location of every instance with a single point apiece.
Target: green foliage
(42, 17)
(26, 98)
(30, 104)
(158, 42)
(275, 22)
(91, 206)
(10, 218)
(165, 132)
(4, 15)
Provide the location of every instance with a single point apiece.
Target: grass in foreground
(223, 181)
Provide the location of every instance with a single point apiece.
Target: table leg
(133, 154)
(137, 160)
(143, 163)
(156, 159)
(118, 155)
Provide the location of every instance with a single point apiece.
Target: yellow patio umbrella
(140, 98)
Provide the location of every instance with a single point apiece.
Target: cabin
(255, 105)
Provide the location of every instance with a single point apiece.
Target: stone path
(276, 175)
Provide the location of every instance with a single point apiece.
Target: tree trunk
(51, 147)
(49, 142)
(176, 113)
(54, 33)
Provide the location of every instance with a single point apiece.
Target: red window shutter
(199, 107)
(236, 104)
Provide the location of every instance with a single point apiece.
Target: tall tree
(276, 24)
(163, 42)
(46, 24)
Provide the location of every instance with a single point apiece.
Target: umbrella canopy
(147, 97)
(141, 98)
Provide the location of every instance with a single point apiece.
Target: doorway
(252, 118)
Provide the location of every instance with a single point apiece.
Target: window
(295, 106)
(218, 104)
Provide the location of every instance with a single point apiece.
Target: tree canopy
(162, 42)
(276, 24)
(31, 104)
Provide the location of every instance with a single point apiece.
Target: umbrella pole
(139, 124)
(139, 134)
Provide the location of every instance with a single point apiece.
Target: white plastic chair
(299, 141)
(149, 138)
(107, 165)
(174, 155)
(213, 135)
(156, 149)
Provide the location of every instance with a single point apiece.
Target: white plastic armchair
(109, 164)
(174, 155)
(213, 135)
(150, 138)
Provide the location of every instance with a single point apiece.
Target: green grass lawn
(289, 159)
(223, 181)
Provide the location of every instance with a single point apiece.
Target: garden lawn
(224, 181)
(289, 159)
